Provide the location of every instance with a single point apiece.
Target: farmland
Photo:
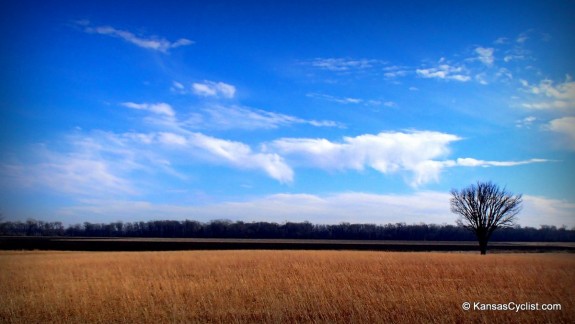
(282, 286)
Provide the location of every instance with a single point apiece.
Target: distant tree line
(288, 230)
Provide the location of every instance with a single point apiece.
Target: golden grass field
(281, 286)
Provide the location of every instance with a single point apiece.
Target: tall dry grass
(280, 286)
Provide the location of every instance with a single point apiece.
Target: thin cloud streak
(239, 117)
(213, 89)
(350, 100)
(157, 108)
(470, 162)
(445, 72)
(153, 42)
(343, 64)
(548, 95)
(485, 55)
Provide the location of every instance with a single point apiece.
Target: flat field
(284, 286)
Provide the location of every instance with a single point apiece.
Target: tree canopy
(485, 207)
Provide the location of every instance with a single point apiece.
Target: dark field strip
(163, 244)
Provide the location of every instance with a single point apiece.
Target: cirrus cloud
(157, 108)
(444, 71)
(548, 95)
(213, 89)
(485, 55)
(239, 117)
(153, 42)
(343, 64)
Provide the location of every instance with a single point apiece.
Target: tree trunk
(483, 246)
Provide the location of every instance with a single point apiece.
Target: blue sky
(326, 111)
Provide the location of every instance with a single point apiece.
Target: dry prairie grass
(280, 286)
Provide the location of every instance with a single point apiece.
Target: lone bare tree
(483, 208)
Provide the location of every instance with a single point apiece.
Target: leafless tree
(483, 208)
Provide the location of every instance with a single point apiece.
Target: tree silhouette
(483, 208)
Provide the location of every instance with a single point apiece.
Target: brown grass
(280, 286)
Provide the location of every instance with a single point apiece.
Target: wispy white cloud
(178, 87)
(152, 42)
(221, 116)
(351, 100)
(195, 147)
(395, 74)
(171, 139)
(504, 74)
(177, 139)
(532, 34)
(565, 126)
(522, 38)
(487, 64)
(104, 164)
(513, 57)
(198, 147)
(396, 71)
(485, 55)
(481, 78)
(211, 149)
(239, 117)
(213, 89)
(341, 100)
(516, 49)
(444, 71)
(240, 155)
(81, 175)
(89, 166)
(525, 122)
(548, 95)
(516, 54)
(343, 64)
(470, 162)
(157, 108)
